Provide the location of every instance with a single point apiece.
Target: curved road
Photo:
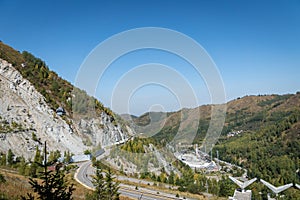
(83, 176)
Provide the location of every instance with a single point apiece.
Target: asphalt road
(85, 171)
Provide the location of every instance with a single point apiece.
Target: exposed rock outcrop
(26, 121)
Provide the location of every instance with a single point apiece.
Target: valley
(158, 155)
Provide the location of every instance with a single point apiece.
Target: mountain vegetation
(2, 179)
(105, 183)
(39, 105)
(77, 106)
(53, 185)
(269, 146)
(261, 134)
(30, 168)
(57, 91)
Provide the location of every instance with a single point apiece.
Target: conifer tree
(53, 185)
(105, 186)
(10, 157)
(112, 186)
(99, 183)
(3, 160)
(2, 179)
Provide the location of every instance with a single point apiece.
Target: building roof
(81, 158)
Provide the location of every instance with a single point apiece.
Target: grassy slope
(17, 186)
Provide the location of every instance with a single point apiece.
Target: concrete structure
(243, 195)
(196, 162)
(276, 190)
(242, 185)
(99, 152)
(269, 197)
(81, 158)
(196, 159)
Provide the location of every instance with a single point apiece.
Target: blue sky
(254, 44)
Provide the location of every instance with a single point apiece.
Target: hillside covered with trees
(269, 146)
(261, 134)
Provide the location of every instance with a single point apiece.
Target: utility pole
(45, 163)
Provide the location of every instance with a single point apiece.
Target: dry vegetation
(17, 186)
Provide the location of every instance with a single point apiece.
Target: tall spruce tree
(10, 157)
(2, 179)
(106, 187)
(3, 160)
(112, 186)
(53, 185)
(99, 183)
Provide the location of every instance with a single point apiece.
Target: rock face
(108, 133)
(26, 121)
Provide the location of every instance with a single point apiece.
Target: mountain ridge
(28, 110)
(261, 133)
(249, 104)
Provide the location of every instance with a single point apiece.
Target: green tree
(171, 178)
(3, 160)
(53, 185)
(38, 157)
(54, 156)
(112, 186)
(2, 179)
(35, 167)
(187, 180)
(22, 166)
(10, 157)
(100, 185)
(87, 152)
(67, 157)
(226, 187)
(34, 137)
(106, 187)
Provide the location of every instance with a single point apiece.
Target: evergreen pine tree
(3, 160)
(99, 183)
(34, 167)
(67, 157)
(22, 166)
(53, 185)
(105, 186)
(112, 186)
(10, 157)
(2, 179)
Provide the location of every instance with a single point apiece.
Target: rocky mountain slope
(28, 118)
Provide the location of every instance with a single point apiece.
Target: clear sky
(254, 44)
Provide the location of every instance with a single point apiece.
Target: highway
(85, 171)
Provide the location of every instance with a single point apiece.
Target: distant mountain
(37, 105)
(249, 113)
(128, 117)
(261, 133)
